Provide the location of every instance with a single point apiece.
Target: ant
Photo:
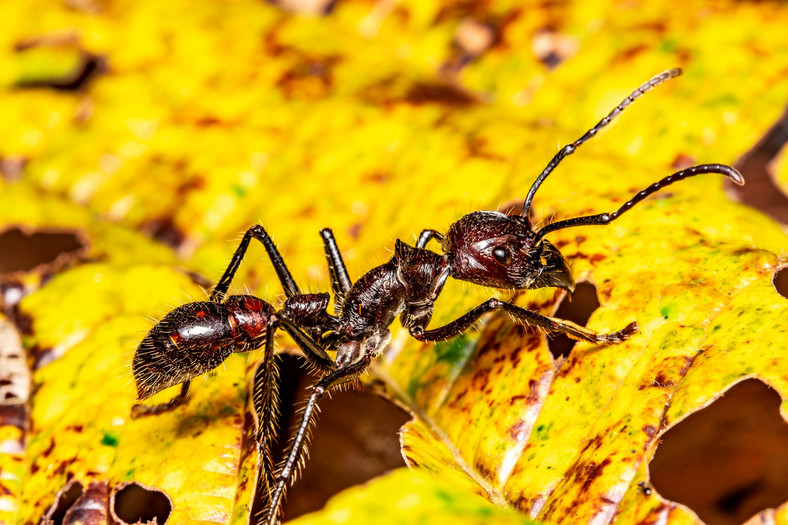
(483, 247)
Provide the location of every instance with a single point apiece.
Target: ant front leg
(526, 317)
(295, 455)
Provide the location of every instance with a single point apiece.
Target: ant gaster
(483, 247)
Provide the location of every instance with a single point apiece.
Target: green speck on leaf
(669, 46)
(109, 439)
(542, 431)
(454, 351)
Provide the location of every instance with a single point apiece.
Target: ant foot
(139, 410)
(620, 336)
(417, 332)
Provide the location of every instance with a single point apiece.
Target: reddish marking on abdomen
(200, 313)
(253, 303)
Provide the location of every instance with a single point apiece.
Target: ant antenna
(605, 218)
(570, 148)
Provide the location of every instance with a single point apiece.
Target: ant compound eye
(502, 256)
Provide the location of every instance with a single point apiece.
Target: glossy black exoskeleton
(484, 247)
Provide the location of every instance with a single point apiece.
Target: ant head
(502, 251)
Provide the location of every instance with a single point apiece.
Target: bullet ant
(484, 247)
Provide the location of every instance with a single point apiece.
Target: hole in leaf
(756, 165)
(135, 503)
(23, 252)
(578, 310)
(781, 282)
(728, 461)
(355, 439)
(67, 496)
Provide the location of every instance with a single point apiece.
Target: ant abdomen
(195, 338)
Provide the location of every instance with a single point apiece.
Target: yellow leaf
(378, 120)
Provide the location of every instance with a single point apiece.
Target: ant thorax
(408, 284)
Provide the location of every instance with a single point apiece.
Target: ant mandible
(483, 247)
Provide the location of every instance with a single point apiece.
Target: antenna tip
(734, 175)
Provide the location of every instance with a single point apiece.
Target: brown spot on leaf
(164, 230)
(682, 162)
(310, 78)
(354, 230)
(688, 360)
(434, 93)
(597, 258)
(650, 430)
(11, 167)
(591, 471)
(552, 47)
(662, 382)
(87, 66)
(50, 448)
(516, 399)
(520, 431)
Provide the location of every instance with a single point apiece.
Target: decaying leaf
(155, 132)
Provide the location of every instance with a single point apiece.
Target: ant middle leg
(295, 453)
(265, 400)
(340, 280)
(527, 317)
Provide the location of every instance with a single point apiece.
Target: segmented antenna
(570, 148)
(605, 218)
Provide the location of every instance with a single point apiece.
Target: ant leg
(257, 232)
(426, 235)
(526, 317)
(295, 455)
(340, 280)
(139, 410)
(312, 350)
(265, 397)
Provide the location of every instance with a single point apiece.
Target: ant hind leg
(140, 410)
